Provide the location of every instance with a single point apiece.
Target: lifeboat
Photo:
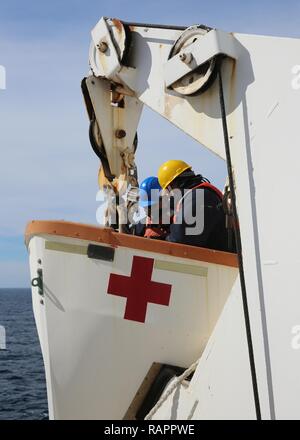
(111, 309)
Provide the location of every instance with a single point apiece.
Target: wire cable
(239, 249)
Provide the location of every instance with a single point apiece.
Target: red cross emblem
(139, 289)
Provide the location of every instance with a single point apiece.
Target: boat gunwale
(108, 236)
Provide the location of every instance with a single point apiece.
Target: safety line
(239, 249)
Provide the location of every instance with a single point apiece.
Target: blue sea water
(22, 378)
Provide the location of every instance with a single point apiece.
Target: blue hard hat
(149, 191)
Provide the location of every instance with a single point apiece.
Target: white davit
(136, 328)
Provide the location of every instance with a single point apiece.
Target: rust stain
(170, 102)
(118, 24)
(119, 124)
(168, 107)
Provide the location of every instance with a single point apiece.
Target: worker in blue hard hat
(149, 192)
(151, 201)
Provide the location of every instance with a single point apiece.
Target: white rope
(165, 396)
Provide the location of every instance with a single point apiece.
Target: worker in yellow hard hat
(169, 170)
(196, 200)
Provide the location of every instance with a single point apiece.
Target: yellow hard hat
(169, 170)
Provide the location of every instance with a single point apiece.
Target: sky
(47, 167)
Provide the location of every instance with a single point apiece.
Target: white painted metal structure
(262, 91)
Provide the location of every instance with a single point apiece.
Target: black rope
(239, 250)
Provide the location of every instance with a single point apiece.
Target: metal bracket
(97, 252)
(117, 125)
(38, 282)
(104, 57)
(214, 43)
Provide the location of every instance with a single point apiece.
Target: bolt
(39, 261)
(186, 57)
(102, 46)
(120, 134)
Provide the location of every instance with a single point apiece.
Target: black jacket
(214, 233)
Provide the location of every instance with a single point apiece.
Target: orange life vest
(201, 185)
(154, 231)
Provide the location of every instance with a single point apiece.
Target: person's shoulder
(211, 194)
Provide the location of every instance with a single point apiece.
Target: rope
(165, 395)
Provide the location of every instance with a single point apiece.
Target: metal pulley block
(198, 79)
(192, 64)
(108, 47)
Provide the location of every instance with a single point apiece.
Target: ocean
(22, 379)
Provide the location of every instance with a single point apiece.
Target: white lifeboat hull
(104, 320)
